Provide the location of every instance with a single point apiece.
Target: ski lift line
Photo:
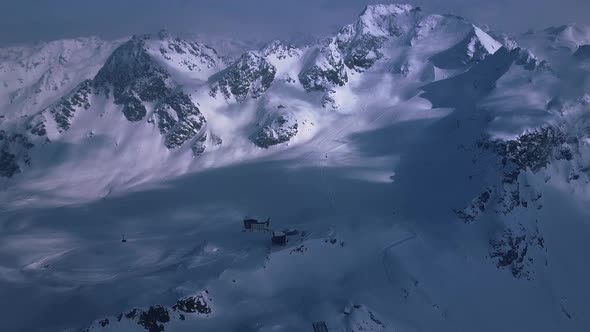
(329, 192)
(332, 137)
(384, 255)
(335, 137)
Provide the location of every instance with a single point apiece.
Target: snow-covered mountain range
(433, 176)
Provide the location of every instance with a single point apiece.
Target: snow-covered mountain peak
(189, 58)
(474, 47)
(249, 76)
(133, 73)
(379, 22)
(182, 58)
(382, 20)
(483, 40)
(280, 50)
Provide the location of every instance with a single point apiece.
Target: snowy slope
(432, 176)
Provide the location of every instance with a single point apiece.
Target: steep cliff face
(250, 76)
(133, 77)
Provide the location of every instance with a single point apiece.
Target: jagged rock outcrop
(133, 77)
(357, 46)
(529, 61)
(516, 249)
(280, 50)
(249, 76)
(65, 110)
(280, 130)
(178, 119)
(329, 69)
(8, 163)
(156, 317)
(532, 151)
(14, 151)
(191, 56)
(360, 42)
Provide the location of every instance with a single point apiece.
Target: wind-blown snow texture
(429, 175)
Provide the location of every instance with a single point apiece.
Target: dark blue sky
(24, 21)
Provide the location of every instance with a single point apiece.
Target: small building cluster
(256, 224)
(279, 238)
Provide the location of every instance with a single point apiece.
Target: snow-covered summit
(473, 48)
(381, 20)
(188, 58)
(249, 76)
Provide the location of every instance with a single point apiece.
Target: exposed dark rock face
(178, 119)
(155, 318)
(360, 50)
(530, 151)
(134, 78)
(315, 78)
(65, 110)
(133, 108)
(281, 130)
(322, 76)
(361, 42)
(216, 140)
(280, 50)
(192, 304)
(196, 56)
(38, 129)
(364, 52)
(533, 150)
(14, 149)
(529, 61)
(251, 75)
(475, 208)
(512, 250)
(357, 46)
(8, 164)
(199, 146)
